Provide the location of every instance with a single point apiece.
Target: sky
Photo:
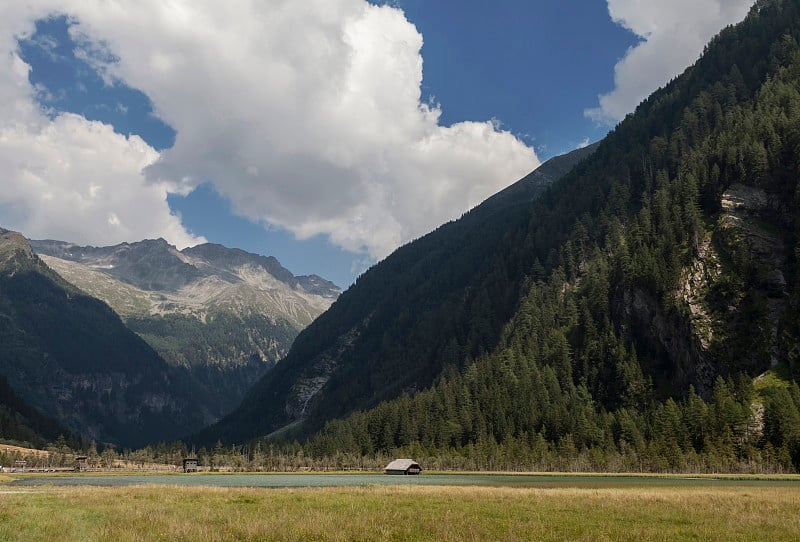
(326, 133)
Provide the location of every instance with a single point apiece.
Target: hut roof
(401, 464)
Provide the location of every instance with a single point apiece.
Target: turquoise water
(342, 480)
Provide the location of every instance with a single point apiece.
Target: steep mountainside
(223, 314)
(19, 422)
(663, 332)
(431, 304)
(532, 185)
(644, 311)
(71, 357)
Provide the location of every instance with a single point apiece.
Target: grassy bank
(732, 512)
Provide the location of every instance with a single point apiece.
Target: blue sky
(308, 135)
(534, 66)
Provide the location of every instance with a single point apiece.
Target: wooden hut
(81, 463)
(403, 466)
(19, 465)
(190, 464)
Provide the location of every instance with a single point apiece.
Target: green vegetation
(223, 338)
(566, 333)
(727, 512)
(21, 424)
(404, 320)
(224, 354)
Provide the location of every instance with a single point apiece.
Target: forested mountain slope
(664, 331)
(21, 423)
(642, 313)
(433, 303)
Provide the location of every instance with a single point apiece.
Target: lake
(270, 480)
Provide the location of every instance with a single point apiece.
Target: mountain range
(630, 305)
(224, 314)
(208, 322)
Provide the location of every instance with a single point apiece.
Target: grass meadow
(730, 511)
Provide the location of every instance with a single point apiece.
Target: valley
(568, 243)
(631, 305)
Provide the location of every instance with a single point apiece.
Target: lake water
(342, 480)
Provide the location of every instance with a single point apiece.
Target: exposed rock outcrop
(322, 368)
(747, 227)
(738, 269)
(669, 339)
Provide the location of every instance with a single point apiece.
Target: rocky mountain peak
(156, 265)
(14, 248)
(316, 285)
(222, 258)
(152, 264)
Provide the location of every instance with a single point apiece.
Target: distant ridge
(71, 358)
(224, 315)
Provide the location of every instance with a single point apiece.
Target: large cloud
(77, 180)
(673, 36)
(306, 115)
(66, 177)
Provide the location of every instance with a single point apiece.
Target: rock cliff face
(305, 390)
(733, 292)
(152, 277)
(667, 339)
(749, 231)
(222, 315)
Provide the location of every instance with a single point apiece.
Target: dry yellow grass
(8, 448)
(732, 512)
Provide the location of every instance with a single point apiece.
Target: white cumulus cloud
(306, 115)
(673, 35)
(66, 177)
(77, 180)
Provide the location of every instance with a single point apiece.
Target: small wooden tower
(190, 464)
(81, 463)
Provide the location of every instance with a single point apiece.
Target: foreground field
(729, 512)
